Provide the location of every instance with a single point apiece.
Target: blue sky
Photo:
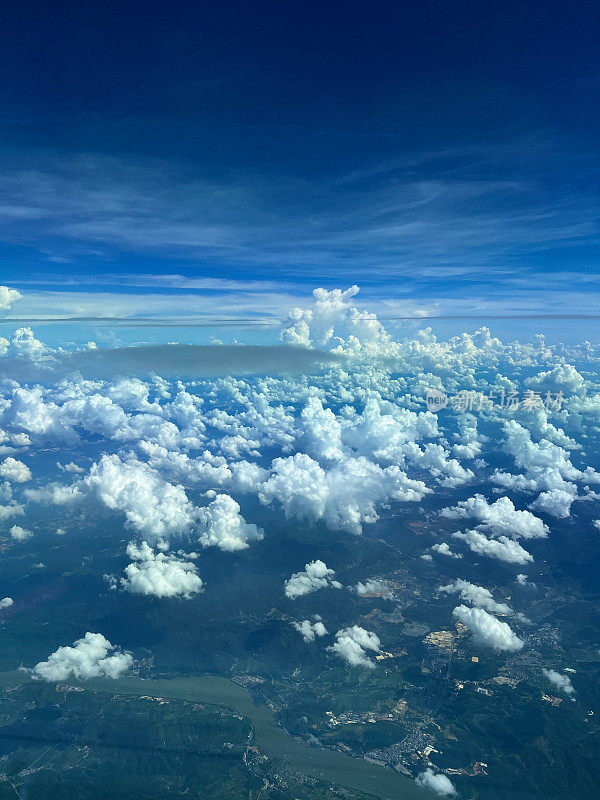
(161, 159)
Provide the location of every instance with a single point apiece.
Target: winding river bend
(328, 765)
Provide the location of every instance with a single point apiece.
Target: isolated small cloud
(500, 518)
(523, 580)
(487, 630)
(478, 596)
(159, 574)
(6, 602)
(92, 656)
(352, 644)
(502, 548)
(316, 575)
(444, 550)
(436, 782)
(70, 467)
(560, 681)
(310, 630)
(20, 534)
(374, 587)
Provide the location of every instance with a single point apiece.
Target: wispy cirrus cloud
(479, 207)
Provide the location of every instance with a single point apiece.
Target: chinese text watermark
(495, 399)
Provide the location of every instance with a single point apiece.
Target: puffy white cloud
(477, 596)
(246, 476)
(502, 548)
(29, 412)
(560, 681)
(87, 658)
(547, 466)
(334, 322)
(26, 350)
(470, 442)
(95, 413)
(8, 296)
(434, 459)
(159, 574)
(488, 630)
(310, 630)
(221, 525)
(6, 602)
(300, 485)
(151, 505)
(436, 782)
(345, 496)
(14, 470)
(253, 421)
(352, 644)
(20, 534)
(522, 580)
(499, 518)
(56, 493)
(374, 587)
(70, 467)
(387, 433)
(205, 470)
(316, 575)
(556, 502)
(13, 509)
(443, 548)
(320, 431)
(132, 395)
(78, 406)
(563, 378)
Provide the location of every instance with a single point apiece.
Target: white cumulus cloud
(20, 534)
(487, 630)
(310, 630)
(502, 548)
(159, 574)
(345, 496)
(352, 644)
(476, 595)
(8, 296)
(14, 470)
(500, 518)
(374, 587)
(443, 548)
(316, 575)
(221, 525)
(436, 782)
(92, 656)
(560, 681)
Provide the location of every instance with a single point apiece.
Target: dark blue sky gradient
(436, 147)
